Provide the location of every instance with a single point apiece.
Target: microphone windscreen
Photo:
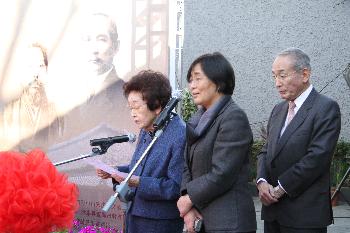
(132, 137)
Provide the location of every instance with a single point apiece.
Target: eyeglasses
(136, 107)
(282, 76)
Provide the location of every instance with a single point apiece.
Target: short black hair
(218, 69)
(154, 87)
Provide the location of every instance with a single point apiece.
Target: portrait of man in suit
(101, 44)
(101, 89)
(293, 176)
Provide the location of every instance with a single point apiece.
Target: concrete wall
(249, 33)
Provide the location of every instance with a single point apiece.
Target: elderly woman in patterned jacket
(157, 186)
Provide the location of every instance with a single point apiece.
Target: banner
(63, 64)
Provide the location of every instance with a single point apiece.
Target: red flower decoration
(34, 196)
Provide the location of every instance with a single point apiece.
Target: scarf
(200, 122)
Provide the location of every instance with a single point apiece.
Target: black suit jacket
(300, 159)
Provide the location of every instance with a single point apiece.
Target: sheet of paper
(101, 165)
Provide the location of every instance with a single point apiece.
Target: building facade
(251, 33)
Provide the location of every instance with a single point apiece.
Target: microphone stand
(123, 190)
(94, 151)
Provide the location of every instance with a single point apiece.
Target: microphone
(165, 114)
(111, 140)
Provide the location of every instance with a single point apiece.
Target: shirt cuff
(261, 180)
(279, 183)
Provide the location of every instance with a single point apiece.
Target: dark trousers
(137, 224)
(203, 231)
(275, 227)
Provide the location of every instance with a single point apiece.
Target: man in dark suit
(294, 165)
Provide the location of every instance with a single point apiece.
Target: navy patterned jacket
(160, 173)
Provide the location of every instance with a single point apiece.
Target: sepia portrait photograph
(63, 65)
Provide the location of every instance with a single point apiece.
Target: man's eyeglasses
(282, 76)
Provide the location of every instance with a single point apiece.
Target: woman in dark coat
(215, 178)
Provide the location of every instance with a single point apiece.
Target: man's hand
(278, 192)
(184, 204)
(266, 193)
(102, 174)
(189, 219)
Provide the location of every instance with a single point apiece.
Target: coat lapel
(296, 122)
(194, 142)
(277, 122)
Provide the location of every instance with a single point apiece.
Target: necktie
(291, 112)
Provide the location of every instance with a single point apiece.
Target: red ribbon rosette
(34, 196)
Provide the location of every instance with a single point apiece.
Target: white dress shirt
(298, 102)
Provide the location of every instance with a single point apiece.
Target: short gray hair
(301, 59)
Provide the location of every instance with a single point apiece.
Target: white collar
(301, 98)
